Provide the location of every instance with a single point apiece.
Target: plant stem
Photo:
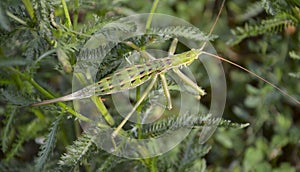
(11, 15)
(153, 167)
(67, 15)
(149, 20)
(75, 16)
(29, 9)
(139, 110)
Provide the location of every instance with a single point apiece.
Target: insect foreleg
(186, 79)
(148, 89)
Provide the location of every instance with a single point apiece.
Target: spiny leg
(186, 79)
(189, 82)
(162, 76)
(148, 89)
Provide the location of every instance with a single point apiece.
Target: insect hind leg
(189, 82)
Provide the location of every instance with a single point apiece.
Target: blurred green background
(262, 36)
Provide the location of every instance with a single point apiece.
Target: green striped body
(136, 75)
(129, 77)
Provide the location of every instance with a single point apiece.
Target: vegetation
(40, 43)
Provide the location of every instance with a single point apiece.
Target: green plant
(40, 43)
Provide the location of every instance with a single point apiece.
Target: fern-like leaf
(191, 155)
(108, 62)
(264, 27)
(251, 11)
(182, 31)
(10, 112)
(15, 98)
(187, 121)
(49, 145)
(28, 132)
(184, 156)
(80, 149)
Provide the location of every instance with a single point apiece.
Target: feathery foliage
(78, 151)
(9, 114)
(48, 147)
(183, 31)
(41, 41)
(187, 121)
(284, 16)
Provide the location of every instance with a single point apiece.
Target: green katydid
(149, 71)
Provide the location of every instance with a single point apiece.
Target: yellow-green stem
(67, 15)
(11, 15)
(154, 6)
(29, 9)
(139, 110)
(75, 16)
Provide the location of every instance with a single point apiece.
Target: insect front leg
(181, 75)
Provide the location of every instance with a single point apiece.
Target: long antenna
(239, 66)
(254, 74)
(214, 25)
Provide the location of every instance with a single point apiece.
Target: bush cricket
(150, 71)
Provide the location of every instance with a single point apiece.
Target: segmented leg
(181, 75)
(189, 82)
(162, 76)
(148, 89)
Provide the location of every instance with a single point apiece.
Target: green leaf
(224, 140)
(283, 124)
(48, 146)
(81, 148)
(10, 112)
(285, 167)
(253, 156)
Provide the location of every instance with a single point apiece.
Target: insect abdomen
(131, 77)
